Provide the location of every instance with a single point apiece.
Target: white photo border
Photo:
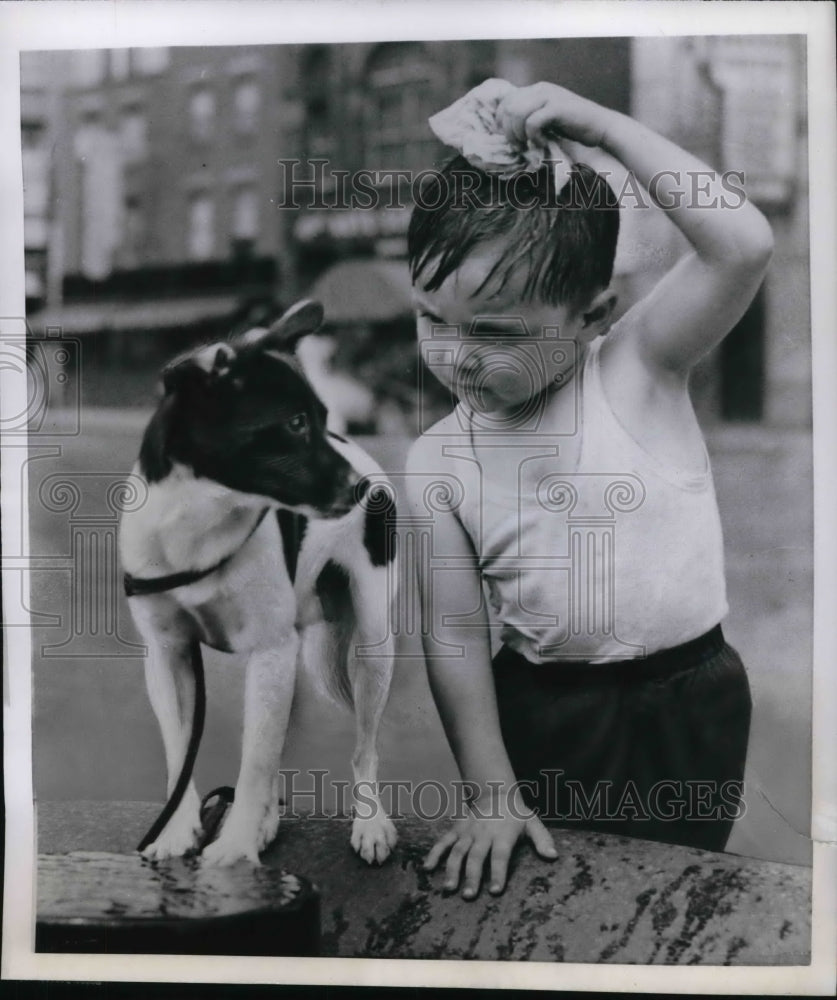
(65, 24)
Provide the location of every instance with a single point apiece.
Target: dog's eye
(298, 423)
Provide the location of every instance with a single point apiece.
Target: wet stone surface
(605, 899)
(88, 885)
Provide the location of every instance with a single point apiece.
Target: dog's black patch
(292, 528)
(154, 461)
(333, 591)
(379, 528)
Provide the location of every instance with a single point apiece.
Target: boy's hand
(489, 832)
(705, 294)
(545, 110)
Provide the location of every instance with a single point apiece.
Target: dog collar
(136, 586)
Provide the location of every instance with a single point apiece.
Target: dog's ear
(200, 368)
(182, 373)
(301, 319)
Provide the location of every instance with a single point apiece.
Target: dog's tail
(333, 662)
(191, 752)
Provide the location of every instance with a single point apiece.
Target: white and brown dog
(263, 533)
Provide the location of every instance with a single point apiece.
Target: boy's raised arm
(705, 294)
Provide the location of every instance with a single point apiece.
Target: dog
(239, 466)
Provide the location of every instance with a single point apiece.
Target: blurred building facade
(167, 217)
(740, 103)
(41, 106)
(163, 167)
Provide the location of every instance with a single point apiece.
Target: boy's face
(498, 352)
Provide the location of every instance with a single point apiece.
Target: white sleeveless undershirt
(619, 558)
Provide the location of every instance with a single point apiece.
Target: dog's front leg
(170, 680)
(371, 662)
(254, 817)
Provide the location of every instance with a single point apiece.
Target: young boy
(576, 489)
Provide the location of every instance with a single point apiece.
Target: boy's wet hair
(566, 240)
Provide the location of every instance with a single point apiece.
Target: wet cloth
(470, 126)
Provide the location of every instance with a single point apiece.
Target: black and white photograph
(418, 490)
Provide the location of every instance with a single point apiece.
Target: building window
(120, 64)
(133, 231)
(202, 114)
(34, 275)
(317, 73)
(31, 134)
(149, 61)
(245, 214)
(36, 185)
(101, 198)
(246, 102)
(201, 233)
(89, 67)
(401, 97)
(35, 232)
(133, 135)
(134, 219)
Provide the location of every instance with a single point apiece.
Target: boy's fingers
(473, 869)
(453, 867)
(515, 127)
(516, 111)
(438, 849)
(541, 838)
(499, 867)
(536, 123)
(511, 120)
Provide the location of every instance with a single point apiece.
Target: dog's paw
(374, 837)
(181, 834)
(173, 843)
(228, 850)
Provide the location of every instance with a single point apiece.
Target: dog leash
(191, 751)
(212, 815)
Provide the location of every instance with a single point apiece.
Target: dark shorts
(651, 748)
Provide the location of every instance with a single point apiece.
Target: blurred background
(155, 218)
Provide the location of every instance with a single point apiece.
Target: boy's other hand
(488, 833)
(546, 111)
